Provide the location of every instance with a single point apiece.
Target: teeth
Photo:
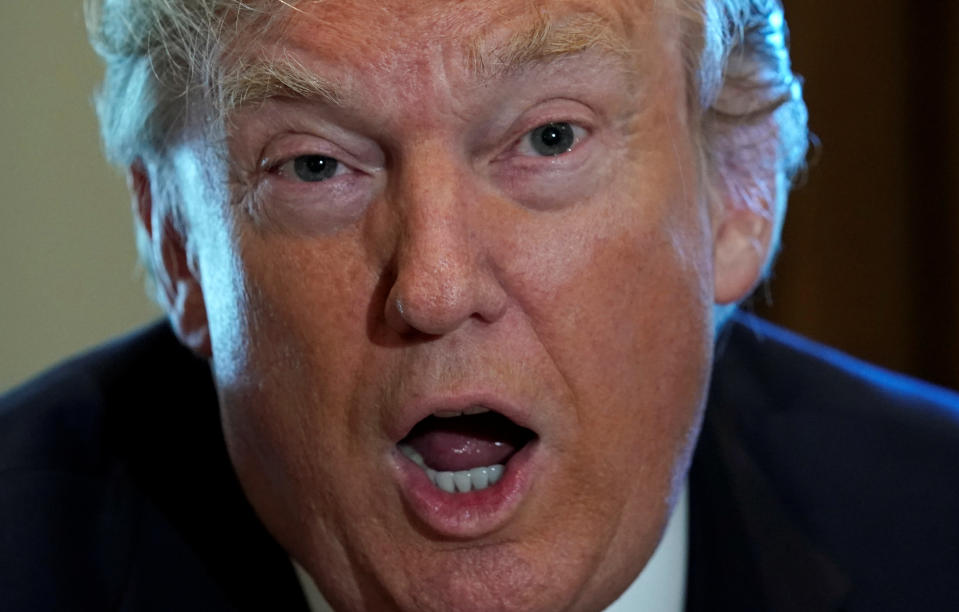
(448, 414)
(479, 477)
(461, 481)
(414, 456)
(475, 410)
(444, 480)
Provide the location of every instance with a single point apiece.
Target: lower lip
(473, 514)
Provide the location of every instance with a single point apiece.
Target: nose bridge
(440, 281)
(435, 213)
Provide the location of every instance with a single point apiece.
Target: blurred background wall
(870, 259)
(68, 276)
(871, 248)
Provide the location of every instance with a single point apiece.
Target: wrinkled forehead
(401, 27)
(393, 41)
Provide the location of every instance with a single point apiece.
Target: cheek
(622, 297)
(278, 314)
(304, 311)
(626, 318)
(292, 371)
(286, 290)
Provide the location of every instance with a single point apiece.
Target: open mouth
(465, 451)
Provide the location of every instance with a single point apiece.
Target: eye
(551, 139)
(311, 168)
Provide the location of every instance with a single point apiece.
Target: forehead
(412, 23)
(393, 39)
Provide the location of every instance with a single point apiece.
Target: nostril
(431, 309)
(405, 317)
(394, 315)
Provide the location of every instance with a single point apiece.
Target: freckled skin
(581, 287)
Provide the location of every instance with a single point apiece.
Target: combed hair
(753, 121)
(164, 63)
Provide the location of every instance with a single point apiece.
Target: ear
(175, 270)
(743, 230)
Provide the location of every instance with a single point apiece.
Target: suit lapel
(746, 552)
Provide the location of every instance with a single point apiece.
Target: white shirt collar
(662, 583)
(661, 586)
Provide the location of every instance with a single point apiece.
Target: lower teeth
(461, 481)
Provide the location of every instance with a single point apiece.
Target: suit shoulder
(84, 450)
(60, 419)
(796, 378)
(862, 459)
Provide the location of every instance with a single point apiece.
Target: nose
(444, 271)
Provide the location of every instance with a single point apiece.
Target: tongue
(462, 443)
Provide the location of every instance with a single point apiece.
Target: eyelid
(284, 148)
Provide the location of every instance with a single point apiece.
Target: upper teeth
(461, 481)
(447, 414)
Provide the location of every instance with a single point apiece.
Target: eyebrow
(252, 82)
(255, 81)
(546, 39)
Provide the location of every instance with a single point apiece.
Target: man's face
(485, 207)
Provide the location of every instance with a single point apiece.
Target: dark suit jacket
(819, 483)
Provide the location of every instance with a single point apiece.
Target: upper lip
(412, 412)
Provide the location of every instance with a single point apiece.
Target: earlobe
(175, 272)
(741, 247)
